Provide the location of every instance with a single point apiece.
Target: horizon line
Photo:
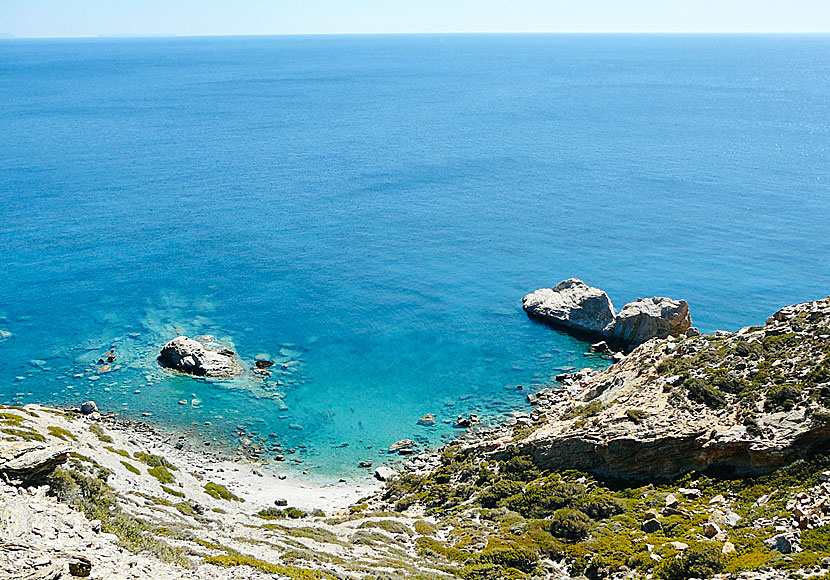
(10, 36)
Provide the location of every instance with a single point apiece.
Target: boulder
(192, 357)
(89, 407)
(649, 318)
(427, 420)
(572, 305)
(25, 462)
(587, 312)
(402, 445)
(384, 473)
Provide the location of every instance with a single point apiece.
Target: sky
(71, 18)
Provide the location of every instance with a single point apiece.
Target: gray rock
(281, 502)
(402, 445)
(89, 407)
(192, 357)
(691, 332)
(384, 473)
(649, 318)
(427, 420)
(26, 462)
(584, 310)
(573, 305)
(784, 543)
(650, 526)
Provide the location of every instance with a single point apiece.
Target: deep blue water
(377, 206)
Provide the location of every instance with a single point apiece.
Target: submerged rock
(195, 358)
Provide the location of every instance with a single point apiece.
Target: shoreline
(243, 476)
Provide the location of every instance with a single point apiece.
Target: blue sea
(368, 212)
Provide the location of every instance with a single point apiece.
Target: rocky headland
(693, 456)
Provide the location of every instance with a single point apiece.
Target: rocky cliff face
(749, 401)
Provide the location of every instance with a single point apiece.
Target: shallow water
(370, 210)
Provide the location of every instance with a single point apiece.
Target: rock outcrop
(587, 312)
(650, 318)
(572, 305)
(24, 462)
(196, 358)
(749, 401)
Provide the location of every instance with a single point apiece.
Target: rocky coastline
(691, 456)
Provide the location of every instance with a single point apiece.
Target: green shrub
(570, 524)
(698, 561)
(702, 392)
(782, 397)
(98, 432)
(219, 491)
(131, 468)
(500, 490)
(161, 474)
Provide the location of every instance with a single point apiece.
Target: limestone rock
(587, 312)
(684, 430)
(649, 318)
(427, 420)
(573, 305)
(195, 358)
(402, 445)
(385, 473)
(26, 462)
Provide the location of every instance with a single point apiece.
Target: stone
(80, 566)
(600, 347)
(650, 526)
(689, 492)
(571, 305)
(692, 331)
(732, 519)
(427, 420)
(679, 546)
(649, 318)
(280, 502)
(728, 548)
(385, 473)
(710, 530)
(263, 364)
(365, 464)
(89, 407)
(401, 445)
(24, 462)
(783, 543)
(717, 499)
(192, 357)
(672, 501)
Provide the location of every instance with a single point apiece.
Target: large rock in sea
(572, 305)
(587, 312)
(649, 318)
(192, 357)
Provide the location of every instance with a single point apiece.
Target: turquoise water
(370, 210)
